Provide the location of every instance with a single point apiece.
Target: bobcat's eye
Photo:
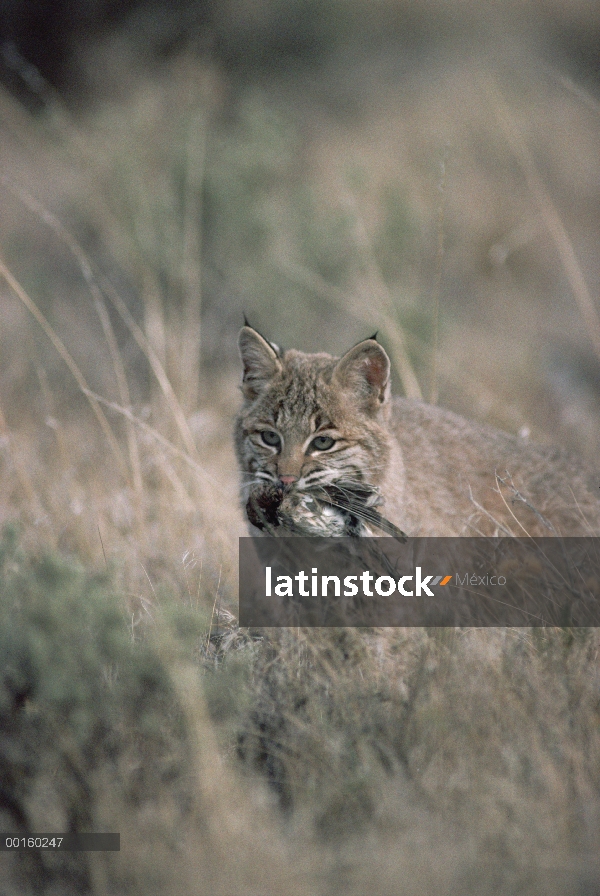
(270, 438)
(323, 443)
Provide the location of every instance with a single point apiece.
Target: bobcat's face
(310, 423)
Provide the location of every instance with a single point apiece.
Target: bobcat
(324, 450)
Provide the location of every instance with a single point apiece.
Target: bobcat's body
(463, 478)
(324, 449)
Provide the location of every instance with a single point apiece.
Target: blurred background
(427, 169)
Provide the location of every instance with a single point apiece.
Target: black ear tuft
(372, 338)
(275, 347)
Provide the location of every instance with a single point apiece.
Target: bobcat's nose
(288, 480)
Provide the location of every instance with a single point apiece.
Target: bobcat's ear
(259, 359)
(365, 372)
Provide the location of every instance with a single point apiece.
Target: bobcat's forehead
(300, 399)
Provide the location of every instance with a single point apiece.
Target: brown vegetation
(452, 205)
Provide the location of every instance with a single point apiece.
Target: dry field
(453, 203)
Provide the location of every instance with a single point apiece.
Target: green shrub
(91, 726)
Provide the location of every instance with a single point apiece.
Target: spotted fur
(378, 462)
(300, 398)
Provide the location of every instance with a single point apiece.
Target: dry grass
(307, 762)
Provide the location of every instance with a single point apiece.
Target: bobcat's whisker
(357, 454)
